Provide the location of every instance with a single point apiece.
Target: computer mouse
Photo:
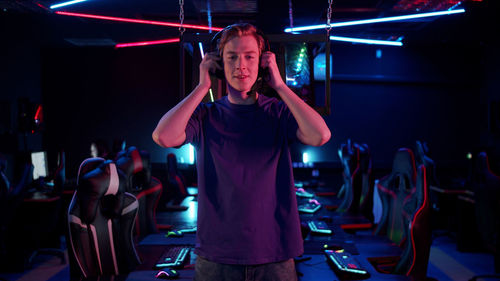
(167, 273)
(333, 247)
(174, 233)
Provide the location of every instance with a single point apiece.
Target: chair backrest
(350, 193)
(136, 165)
(416, 216)
(486, 187)
(394, 189)
(365, 180)
(101, 216)
(421, 158)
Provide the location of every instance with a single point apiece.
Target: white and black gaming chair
(101, 218)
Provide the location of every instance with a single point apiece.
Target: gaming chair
(416, 216)
(406, 215)
(486, 187)
(101, 217)
(421, 158)
(176, 181)
(365, 180)
(136, 166)
(357, 192)
(350, 194)
(393, 189)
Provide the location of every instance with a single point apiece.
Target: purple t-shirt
(247, 207)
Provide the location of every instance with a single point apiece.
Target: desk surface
(314, 267)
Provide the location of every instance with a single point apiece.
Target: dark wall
(106, 93)
(439, 93)
(20, 80)
(428, 93)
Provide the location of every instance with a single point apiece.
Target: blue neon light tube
(377, 20)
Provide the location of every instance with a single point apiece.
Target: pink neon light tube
(163, 23)
(145, 43)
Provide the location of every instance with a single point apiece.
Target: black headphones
(219, 73)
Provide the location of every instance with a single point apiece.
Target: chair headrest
(404, 164)
(100, 188)
(365, 160)
(421, 185)
(482, 164)
(136, 165)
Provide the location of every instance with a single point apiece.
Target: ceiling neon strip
(366, 41)
(146, 43)
(66, 4)
(377, 20)
(162, 23)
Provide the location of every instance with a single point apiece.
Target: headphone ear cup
(219, 73)
(214, 47)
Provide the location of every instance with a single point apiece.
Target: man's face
(241, 62)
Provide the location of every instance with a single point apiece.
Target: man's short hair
(239, 30)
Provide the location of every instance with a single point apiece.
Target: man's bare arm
(171, 129)
(312, 128)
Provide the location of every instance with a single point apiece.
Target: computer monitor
(40, 166)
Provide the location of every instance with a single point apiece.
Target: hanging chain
(329, 17)
(181, 17)
(290, 13)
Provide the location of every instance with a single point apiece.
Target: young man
(248, 223)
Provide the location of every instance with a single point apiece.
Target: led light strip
(366, 41)
(377, 20)
(145, 43)
(55, 6)
(163, 23)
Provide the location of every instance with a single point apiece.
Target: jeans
(211, 271)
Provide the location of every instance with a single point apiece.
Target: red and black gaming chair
(406, 216)
(176, 181)
(136, 166)
(486, 187)
(349, 193)
(421, 158)
(393, 189)
(365, 181)
(101, 217)
(416, 216)
(357, 191)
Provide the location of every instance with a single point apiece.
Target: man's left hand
(268, 61)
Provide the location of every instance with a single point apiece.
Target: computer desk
(311, 266)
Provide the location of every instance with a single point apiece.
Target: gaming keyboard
(309, 207)
(345, 265)
(175, 257)
(300, 192)
(319, 227)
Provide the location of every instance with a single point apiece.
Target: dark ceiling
(271, 16)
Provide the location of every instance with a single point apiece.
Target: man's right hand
(210, 63)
